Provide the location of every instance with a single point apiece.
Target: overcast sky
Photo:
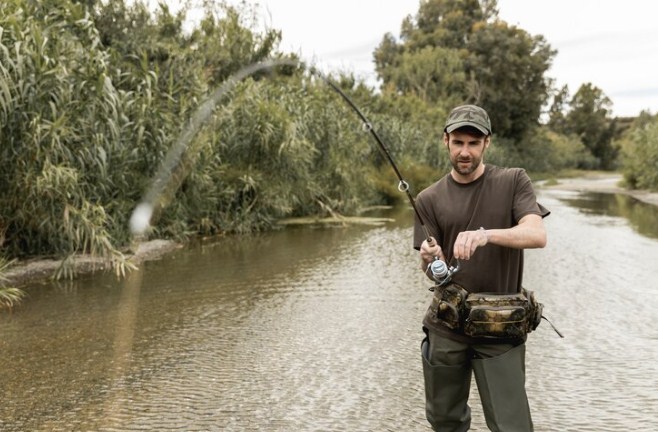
(612, 44)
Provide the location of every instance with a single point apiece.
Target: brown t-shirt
(496, 200)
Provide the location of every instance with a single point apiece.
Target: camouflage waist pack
(509, 316)
(448, 305)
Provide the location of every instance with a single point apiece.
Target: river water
(309, 329)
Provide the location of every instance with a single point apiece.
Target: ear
(446, 139)
(487, 141)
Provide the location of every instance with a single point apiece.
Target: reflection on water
(642, 216)
(317, 329)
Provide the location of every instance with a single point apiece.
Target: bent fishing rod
(167, 180)
(403, 186)
(438, 269)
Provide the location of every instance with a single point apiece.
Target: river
(318, 329)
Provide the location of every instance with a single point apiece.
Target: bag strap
(554, 328)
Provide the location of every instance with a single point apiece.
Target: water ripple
(322, 334)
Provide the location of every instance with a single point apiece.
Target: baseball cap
(468, 115)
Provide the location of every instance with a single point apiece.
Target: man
(482, 217)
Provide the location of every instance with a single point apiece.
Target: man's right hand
(429, 250)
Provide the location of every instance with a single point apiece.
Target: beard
(465, 166)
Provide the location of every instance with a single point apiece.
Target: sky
(611, 44)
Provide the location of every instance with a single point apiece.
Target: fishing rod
(439, 270)
(172, 170)
(403, 186)
(162, 183)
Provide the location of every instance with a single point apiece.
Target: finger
(468, 244)
(462, 247)
(472, 245)
(457, 249)
(432, 247)
(426, 251)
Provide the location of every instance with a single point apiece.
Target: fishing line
(403, 185)
(438, 269)
(172, 171)
(173, 168)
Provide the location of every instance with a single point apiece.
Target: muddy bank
(24, 272)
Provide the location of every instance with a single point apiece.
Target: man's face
(466, 151)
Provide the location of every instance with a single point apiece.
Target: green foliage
(544, 151)
(90, 104)
(58, 134)
(457, 51)
(557, 112)
(9, 296)
(417, 175)
(431, 74)
(639, 148)
(586, 116)
(94, 94)
(589, 118)
(88, 109)
(507, 66)
(272, 152)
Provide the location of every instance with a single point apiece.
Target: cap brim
(453, 127)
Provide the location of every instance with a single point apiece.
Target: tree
(471, 57)
(447, 23)
(432, 73)
(639, 151)
(443, 24)
(557, 112)
(507, 66)
(589, 118)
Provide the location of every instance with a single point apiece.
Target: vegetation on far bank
(94, 93)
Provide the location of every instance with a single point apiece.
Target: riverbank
(29, 271)
(600, 182)
(34, 270)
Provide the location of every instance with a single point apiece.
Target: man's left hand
(467, 242)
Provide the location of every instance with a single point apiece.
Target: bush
(639, 149)
(543, 152)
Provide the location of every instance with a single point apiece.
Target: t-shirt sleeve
(525, 200)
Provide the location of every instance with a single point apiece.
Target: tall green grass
(87, 113)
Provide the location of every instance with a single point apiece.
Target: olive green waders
(500, 376)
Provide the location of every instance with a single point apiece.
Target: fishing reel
(441, 272)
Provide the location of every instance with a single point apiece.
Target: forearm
(528, 234)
